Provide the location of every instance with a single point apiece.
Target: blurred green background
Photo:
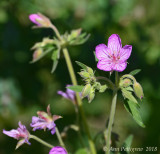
(26, 88)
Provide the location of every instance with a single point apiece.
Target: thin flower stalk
(74, 82)
(112, 114)
(41, 141)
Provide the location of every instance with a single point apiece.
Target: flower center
(114, 58)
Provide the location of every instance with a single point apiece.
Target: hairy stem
(74, 82)
(41, 141)
(59, 138)
(112, 114)
(111, 119)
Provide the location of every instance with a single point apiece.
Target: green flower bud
(91, 95)
(90, 71)
(102, 88)
(138, 90)
(84, 74)
(75, 33)
(37, 53)
(86, 90)
(125, 82)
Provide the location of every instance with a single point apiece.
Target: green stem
(41, 141)
(56, 32)
(107, 80)
(59, 138)
(111, 119)
(112, 114)
(74, 82)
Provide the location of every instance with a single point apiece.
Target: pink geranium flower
(58, 150)
(21, 134)
(113, 57)
(45, 120)
(69, 94)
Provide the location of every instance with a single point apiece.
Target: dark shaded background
(26, 88)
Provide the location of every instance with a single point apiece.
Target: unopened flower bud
(102, 88)
(37, 53)
(91, 95)
(75, 33)
(86, 90)
(138, 90)
(125, 82)
(40, 20)
(90, 71)
(84, 74)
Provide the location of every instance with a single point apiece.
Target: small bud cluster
(92, 85)
(127, 81)
(42, 48)
(56, 44)
(75, 37)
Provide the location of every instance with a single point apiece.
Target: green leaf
(134, 72)
(133, 109)
(96, 59)
(76, 88)
(127, 94)
(55, 58)
(82, 65)
(54, 66)
(127, 144)
(129, 88)
(82, 151)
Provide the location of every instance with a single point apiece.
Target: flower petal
(105, 65)
(114, 43)
(63, 94)
(58, 150)
(120, 66)
(12, 133)
(125, 52)
(103, 52)
(34, 17)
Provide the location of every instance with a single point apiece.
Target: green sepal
(82, 65)
(91, 95)
(129, 88)
(55, 57)
(134, 72)
(76, 88)
(127, 94)
(103, 88)
(86, 90)
(133, 109)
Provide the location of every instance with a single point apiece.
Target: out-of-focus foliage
(26, 88)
